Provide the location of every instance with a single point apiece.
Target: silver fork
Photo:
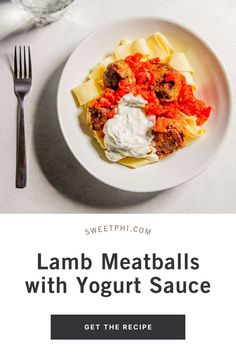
(22, 85)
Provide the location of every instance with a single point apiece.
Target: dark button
(117, 327)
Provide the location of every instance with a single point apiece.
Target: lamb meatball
(169, 141)
(116, 72)
(167, 90)
(98, 117)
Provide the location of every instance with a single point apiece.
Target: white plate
(177, 168)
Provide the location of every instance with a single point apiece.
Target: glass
(44, 11)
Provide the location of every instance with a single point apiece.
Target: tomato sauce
(146, 75)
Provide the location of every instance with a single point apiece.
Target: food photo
(126, 112)
(117, 183)
(139, 109)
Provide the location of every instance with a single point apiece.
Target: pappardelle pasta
(140, 102)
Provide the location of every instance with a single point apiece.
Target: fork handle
(21, 175)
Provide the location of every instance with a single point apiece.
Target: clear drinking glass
(44, 11)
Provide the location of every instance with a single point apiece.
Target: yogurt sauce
(129, 132)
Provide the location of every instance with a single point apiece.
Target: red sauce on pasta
(147, 75)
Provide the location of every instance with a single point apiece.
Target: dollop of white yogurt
(129, 132)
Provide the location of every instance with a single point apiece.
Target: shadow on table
(59, 165)
(14, 21)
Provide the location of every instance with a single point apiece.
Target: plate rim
(191, 32)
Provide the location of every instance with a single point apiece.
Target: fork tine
(21, 74)
(25, 69)
(29, 61)
(15, 63)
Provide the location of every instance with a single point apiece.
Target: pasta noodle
(165, 44)
(180, 62)
(124, 41)
(123, 51)
(156, 45)
(138, 46)
(191, 129)
(156, 48)
(86, 92)
(134, 162)
(189, 79)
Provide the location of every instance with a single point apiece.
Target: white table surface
(56, 182)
